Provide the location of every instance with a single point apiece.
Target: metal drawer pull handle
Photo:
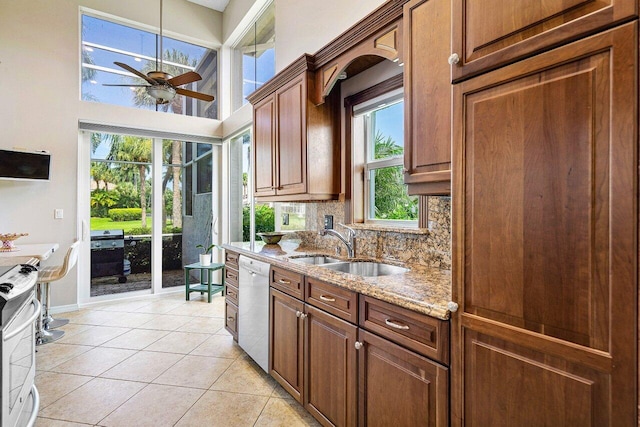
(284, 282)
(395, 325)
(230, 318)
(328, 299)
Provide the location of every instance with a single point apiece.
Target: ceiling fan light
(162, 94)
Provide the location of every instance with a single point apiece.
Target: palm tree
(137, 150)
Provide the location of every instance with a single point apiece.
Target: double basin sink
(357, 268)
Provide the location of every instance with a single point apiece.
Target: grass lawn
(107, 224)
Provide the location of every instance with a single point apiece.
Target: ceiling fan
(162, 86)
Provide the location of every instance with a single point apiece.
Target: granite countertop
(422, 289)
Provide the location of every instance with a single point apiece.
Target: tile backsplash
(430, 247)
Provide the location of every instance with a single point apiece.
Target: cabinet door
(264, 123)
(427, 88)
(546, 257)
(291, 161)
(399, 387)
(286, 342)
(231, 319)
(491, 33)
(330, 375)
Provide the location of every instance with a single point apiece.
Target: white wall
(41, 107)
(304, 26)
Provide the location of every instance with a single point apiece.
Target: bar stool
(46, 324)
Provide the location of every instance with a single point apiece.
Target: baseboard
(64, 308)
(130, 297)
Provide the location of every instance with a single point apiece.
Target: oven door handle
(34, 316)
(36, 406)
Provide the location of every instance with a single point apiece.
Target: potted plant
(205, 257)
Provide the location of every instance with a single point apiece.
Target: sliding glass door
(147, 202)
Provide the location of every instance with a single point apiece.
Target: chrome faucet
(349, 241)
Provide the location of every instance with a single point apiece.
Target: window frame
(237, 99)
(358, 135)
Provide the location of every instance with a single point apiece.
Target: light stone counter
(422, 289)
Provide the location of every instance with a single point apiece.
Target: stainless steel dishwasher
(253, 310)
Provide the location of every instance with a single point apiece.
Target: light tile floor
(159, 361)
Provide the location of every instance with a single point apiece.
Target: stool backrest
(70, 259)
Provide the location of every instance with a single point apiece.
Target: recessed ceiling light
(137, 59)
(93, 82)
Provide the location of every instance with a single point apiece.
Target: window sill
(389, 228)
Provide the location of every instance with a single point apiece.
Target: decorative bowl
(7, 241)
(271, 237)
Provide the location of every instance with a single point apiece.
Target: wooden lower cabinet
(346, 376)
(286, 346)
(231, 319)
(231, 293)
(399, 387)
(330, 368)
(313, 357)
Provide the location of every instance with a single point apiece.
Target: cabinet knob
(452, 306)
(303, 316)
(454, 59)
(298, 313)
(358, 345)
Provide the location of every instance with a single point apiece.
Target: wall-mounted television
(25, 165)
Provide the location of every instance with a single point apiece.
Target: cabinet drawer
(288, 282)
(231, 319)
(418, 332)
(231, 276)
(342, 303)
(231, 293)
(231, 259)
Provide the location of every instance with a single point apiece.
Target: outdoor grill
(107, 254)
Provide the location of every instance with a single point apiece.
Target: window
(198, 172)
(378, 131)
(254, 57)
(104, 42)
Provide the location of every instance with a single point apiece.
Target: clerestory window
(105, 41)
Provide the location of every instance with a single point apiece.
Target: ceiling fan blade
(183, 79)
(197, 95)
(136, 72)
(106, 84)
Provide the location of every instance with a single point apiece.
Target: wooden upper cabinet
(491, 33)
(427, 89)
(545, 252)
(291, 144)
(297, 144)
(264, 144)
